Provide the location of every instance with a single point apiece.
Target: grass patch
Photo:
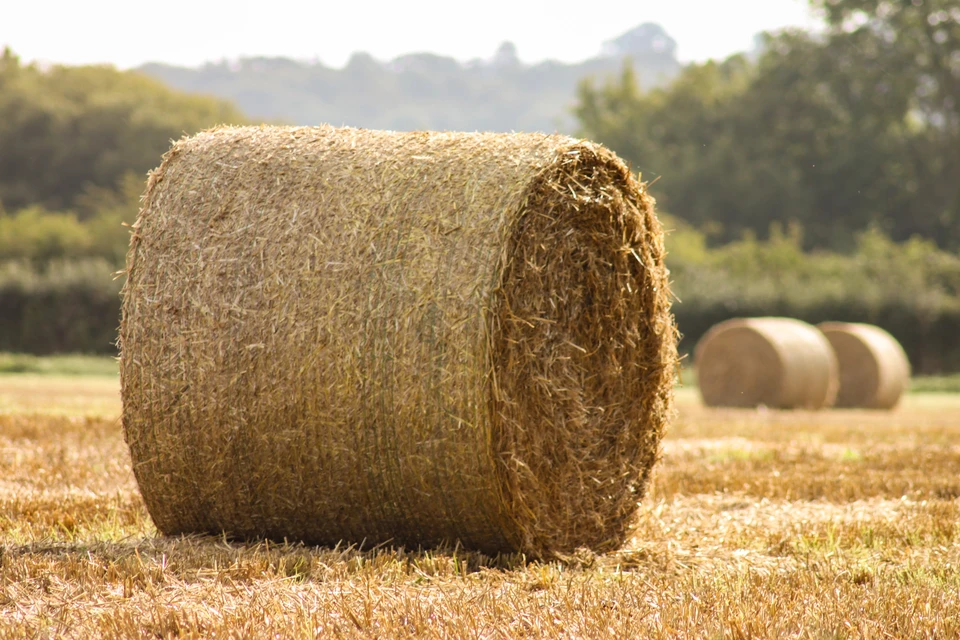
(58, 365)
(949, 383)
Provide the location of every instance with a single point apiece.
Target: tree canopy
(64, 130)
(856, 127)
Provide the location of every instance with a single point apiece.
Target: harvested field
(757, 524)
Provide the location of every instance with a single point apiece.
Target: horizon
(540, 31)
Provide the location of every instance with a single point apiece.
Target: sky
(128, 33)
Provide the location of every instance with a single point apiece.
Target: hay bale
(874, 370)
(339, 335)
(776, 362)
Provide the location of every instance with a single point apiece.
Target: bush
(65, 307)
(40, 235)
(912, 290)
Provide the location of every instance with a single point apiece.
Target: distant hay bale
(874, 370)
(776, 362)
(338, 335)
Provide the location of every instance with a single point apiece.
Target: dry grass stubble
(847, 552)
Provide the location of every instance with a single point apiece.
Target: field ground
(758, 524)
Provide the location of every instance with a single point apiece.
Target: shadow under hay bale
(776, 362)
(874, 370)
(345, 335)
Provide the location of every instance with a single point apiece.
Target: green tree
(65, 128)
(690, 138)
(838, 132)
(913, 47)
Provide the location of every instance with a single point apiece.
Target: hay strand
(775, 362)
(338, 335)
(874, 369)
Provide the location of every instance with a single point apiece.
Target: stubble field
(758, 524)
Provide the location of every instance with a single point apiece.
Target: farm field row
(757, 524)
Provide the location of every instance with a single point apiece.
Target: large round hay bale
(776, 362)
(339, 335)
(874, 370)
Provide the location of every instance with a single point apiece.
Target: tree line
(857, 127)
(818, 177)
(75, 146)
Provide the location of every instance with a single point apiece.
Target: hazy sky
(189, 32)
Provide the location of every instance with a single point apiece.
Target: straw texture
(776, 362)
(874, 369)
(339, 335)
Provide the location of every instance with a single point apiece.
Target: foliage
(815, 179)
(64, 130)
(98, 228)
(912, 289)
(40, 235)
(65, 307)
(836, 132)
(77, 143)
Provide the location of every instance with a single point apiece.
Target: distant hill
(422, 90)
